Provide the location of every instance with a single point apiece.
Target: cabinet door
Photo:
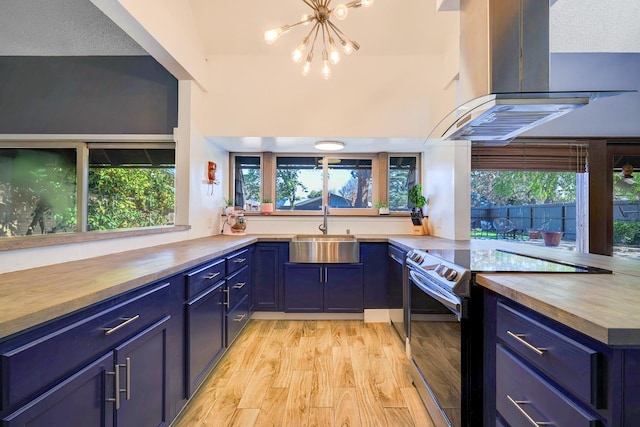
(80, 400)
(143, 373)
(343, 288)
(303, 288)
(375, 264)
(205, 337)
(267, 264)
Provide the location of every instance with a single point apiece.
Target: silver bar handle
(127, 365)
(518, 404)
(127, 320)
(226, 301)
(239, 285)
(326, 275)
(240, 318)
(537, 350)
(116, 399)
(212, 275)
(239, 260)
(321, 280)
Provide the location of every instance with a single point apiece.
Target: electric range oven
(445, 324)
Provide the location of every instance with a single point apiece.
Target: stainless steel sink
(324, 248)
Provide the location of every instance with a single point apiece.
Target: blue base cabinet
(106, 365)
(318, 288)
(267, 278)
(536, 368)
(375, 263)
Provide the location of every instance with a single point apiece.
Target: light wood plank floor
(310, 373)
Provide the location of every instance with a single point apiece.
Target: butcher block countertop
(604, 307)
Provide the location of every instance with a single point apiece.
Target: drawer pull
(109, 331)
(538, 350)
(240, 318)
(239, 260)
(226, 300)
(239, 285)
(518, 404)
(212, 275)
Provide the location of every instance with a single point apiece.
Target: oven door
(435, 336)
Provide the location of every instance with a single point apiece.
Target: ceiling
(237, 27)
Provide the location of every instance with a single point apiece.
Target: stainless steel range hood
(504, 73)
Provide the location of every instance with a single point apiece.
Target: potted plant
(383, 208)
(416, 198)
(267, 207)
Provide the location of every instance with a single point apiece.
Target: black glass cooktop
(500, 261)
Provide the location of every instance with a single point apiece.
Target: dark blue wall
(86, 95)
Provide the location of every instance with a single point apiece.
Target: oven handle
(453, 303)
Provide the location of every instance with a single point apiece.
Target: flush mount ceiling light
(329, 145)
(321, 19)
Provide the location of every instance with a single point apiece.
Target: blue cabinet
(205, 334)
(375, 263)
(103, 366)
(538, 368)
(316, 288)
(268, 275)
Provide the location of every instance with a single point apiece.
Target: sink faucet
(323, 226)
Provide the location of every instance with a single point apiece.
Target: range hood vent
(504, 74)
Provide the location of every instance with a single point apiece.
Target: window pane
(37, 191)
(247, 188)
(299, 183)
(131, 188)
(626, 206)
(402, 176)
(350, 183)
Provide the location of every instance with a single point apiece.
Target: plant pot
(267, 208)
(534, 234)
(552, 238)
(383, 211)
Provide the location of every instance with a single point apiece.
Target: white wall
(447, 166)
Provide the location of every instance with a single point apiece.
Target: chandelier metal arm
(343, 38)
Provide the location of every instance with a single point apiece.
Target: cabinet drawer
(237, 319)
(573, 365)
(523, 398)
(201, 279)
(36, 364)
(237, 260)
(238, 287)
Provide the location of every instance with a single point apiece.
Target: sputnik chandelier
(321, 19)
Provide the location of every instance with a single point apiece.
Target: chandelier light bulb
(334, 55)
(326, 68)
(306, 19)
(340, 11)
(367, 3)
(270, 36)
(297, 54)
(307, 65)
(346, 46)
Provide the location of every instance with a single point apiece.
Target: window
(37, 191)
(42, 189)
(247, 182)
(305, 183)
(403, 174)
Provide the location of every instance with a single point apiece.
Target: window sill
(319, 214)
(36, 241)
